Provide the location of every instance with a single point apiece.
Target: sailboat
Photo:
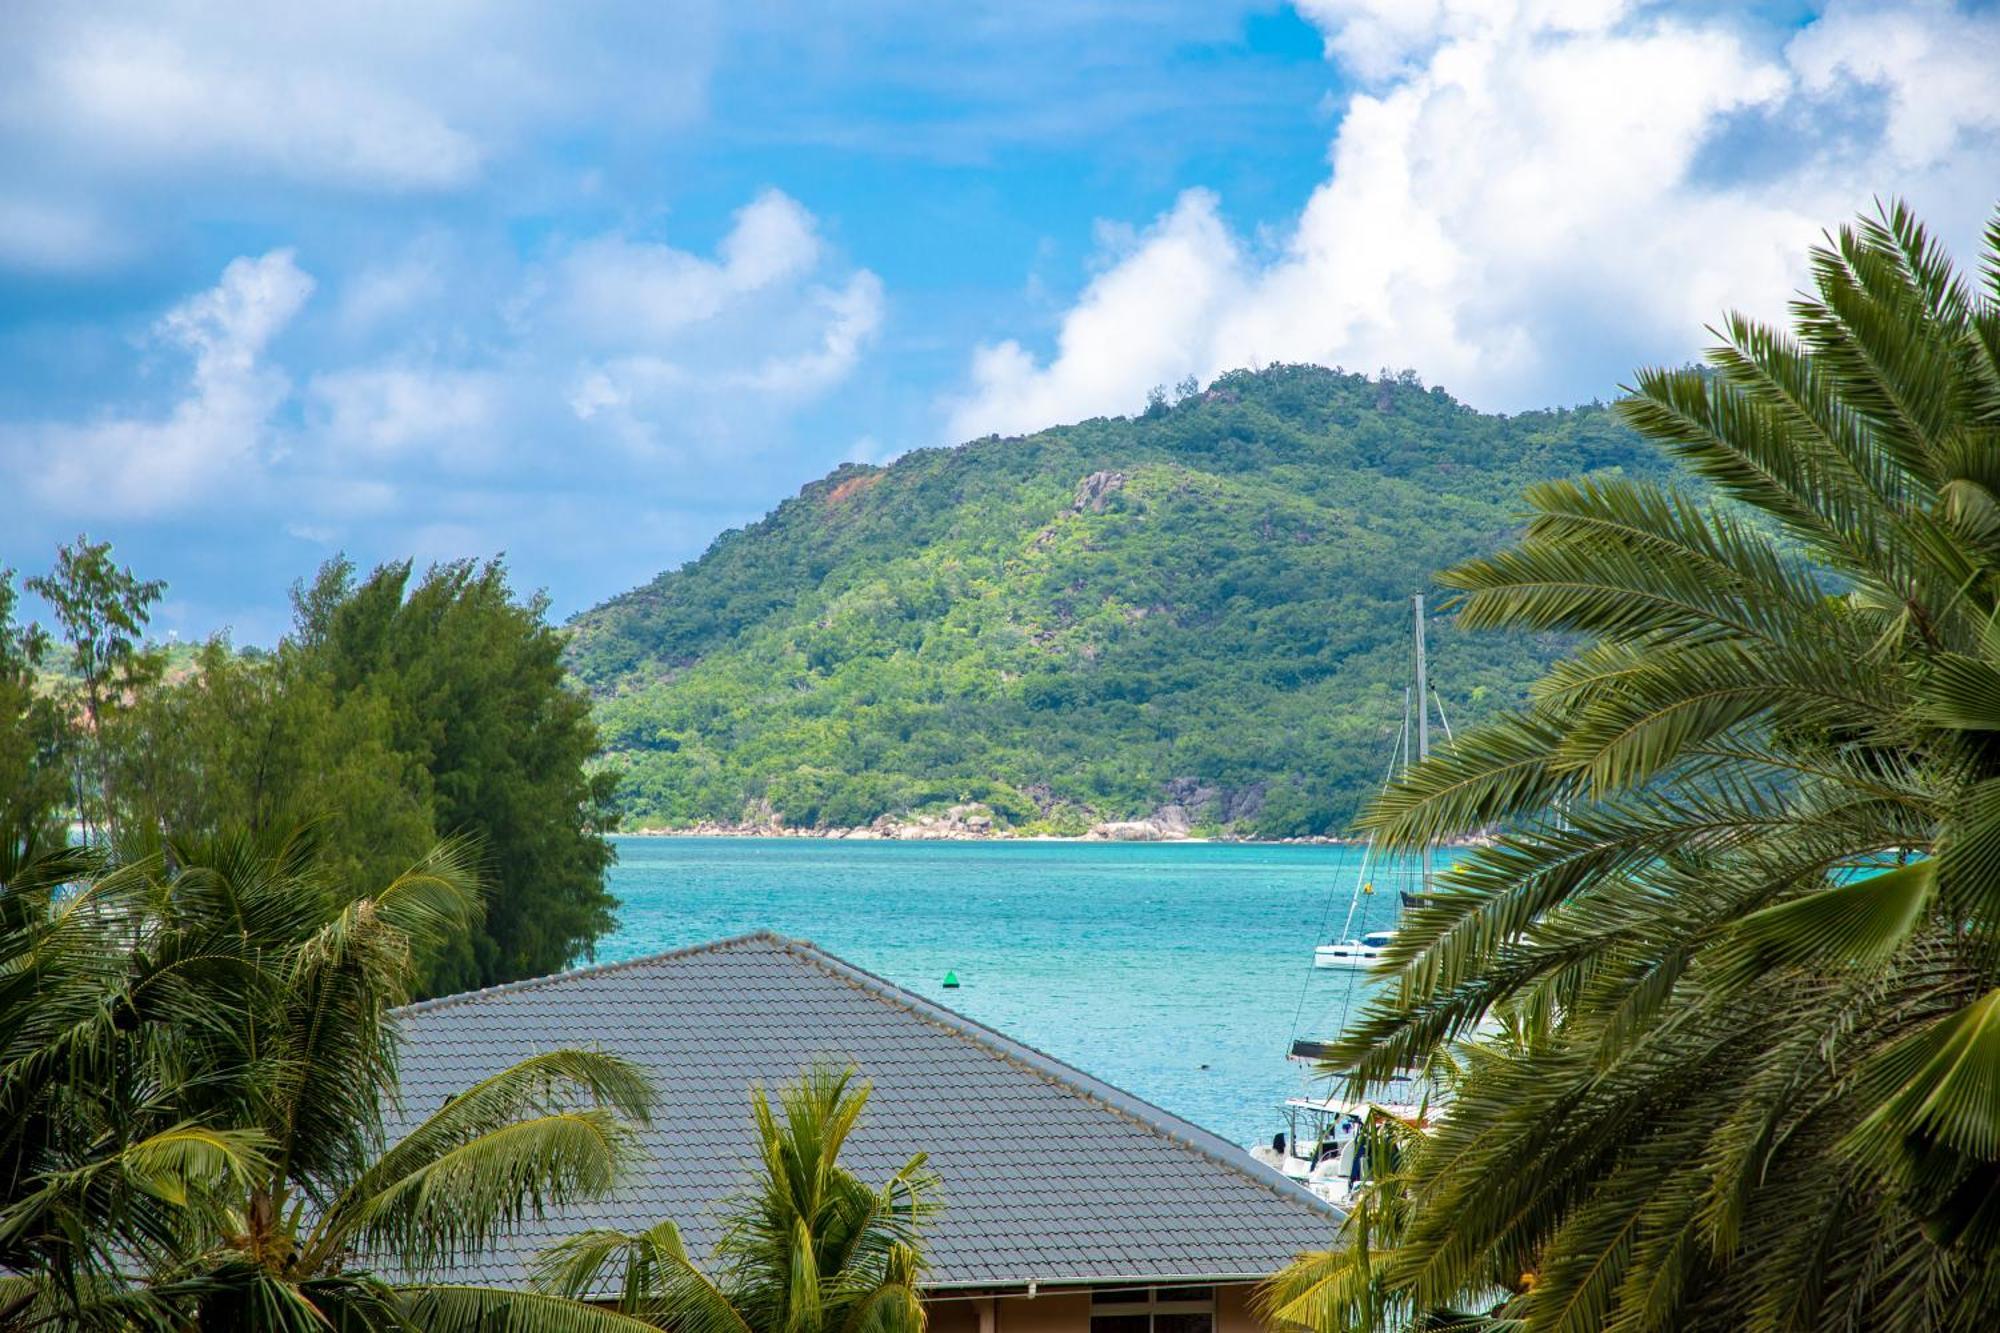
(1321, 1144)
(1357, 953)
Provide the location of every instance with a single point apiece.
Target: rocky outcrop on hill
(1169, 823)
(1128, 830)
(1208, 804)
(1095, 491)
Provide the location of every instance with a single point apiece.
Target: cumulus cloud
(1132, 328)
(684, 335)
(215, 434)
(849, 317)
(383, 413)
(1935, 68)
(126, 99)
(615, 289)
(614, 343)
(1526, 198)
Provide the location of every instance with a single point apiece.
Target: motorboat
(1322, 1145)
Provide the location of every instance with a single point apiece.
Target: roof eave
(1023, 1286)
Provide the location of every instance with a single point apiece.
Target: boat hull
(1346, 960)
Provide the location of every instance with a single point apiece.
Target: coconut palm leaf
(808, 1248)
(441, 1308)
(196, 1051)
(453, 1206)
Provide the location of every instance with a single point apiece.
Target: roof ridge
(601, 969)
(1148, 1115)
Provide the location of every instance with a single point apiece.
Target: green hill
(1205, 605)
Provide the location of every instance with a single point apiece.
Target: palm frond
(462, 1309)
(452, 1206)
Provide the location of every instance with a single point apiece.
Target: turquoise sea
(1177, 971)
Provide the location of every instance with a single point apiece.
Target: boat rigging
(1322, 1144)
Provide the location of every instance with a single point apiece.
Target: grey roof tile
(1046, 1173)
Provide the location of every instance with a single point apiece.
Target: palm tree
(1756, 961)
(811, 1249)
(95, 1168)
(229, 1121)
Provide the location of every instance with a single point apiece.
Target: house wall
(1050, 1312)
(1065, 1312)
(1232, 1311)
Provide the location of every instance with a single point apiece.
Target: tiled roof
(1046, 1174)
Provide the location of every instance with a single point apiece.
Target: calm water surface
(1174, 971)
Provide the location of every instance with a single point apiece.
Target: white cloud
(145, 94)
(617, 290)
(1132, 328)
(680, 334)
(1939, 69)
(852, 314)
(124, 101)
(1529, 199)
(1378, 40)
(618, 344)
(383, 291)
(387, 412)
(213, 437)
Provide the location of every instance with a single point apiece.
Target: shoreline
(1134, 832)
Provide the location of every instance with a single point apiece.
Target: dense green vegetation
(33, 767)
(1207, 603)
(195, 1056)
(1743, 930)
(197, 1052)
(397, 712)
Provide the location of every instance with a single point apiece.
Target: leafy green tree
(393, 715)
(101, 610)
(476, 691)
(811, 1249)
(1745, 899)
(262, 743)
(33, 737)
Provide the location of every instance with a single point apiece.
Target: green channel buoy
(951, 981)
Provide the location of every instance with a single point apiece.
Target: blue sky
(588, 287)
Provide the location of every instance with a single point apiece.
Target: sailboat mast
(1423, 689)
(1423, 721)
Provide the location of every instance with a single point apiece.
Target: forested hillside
(1205, 605)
